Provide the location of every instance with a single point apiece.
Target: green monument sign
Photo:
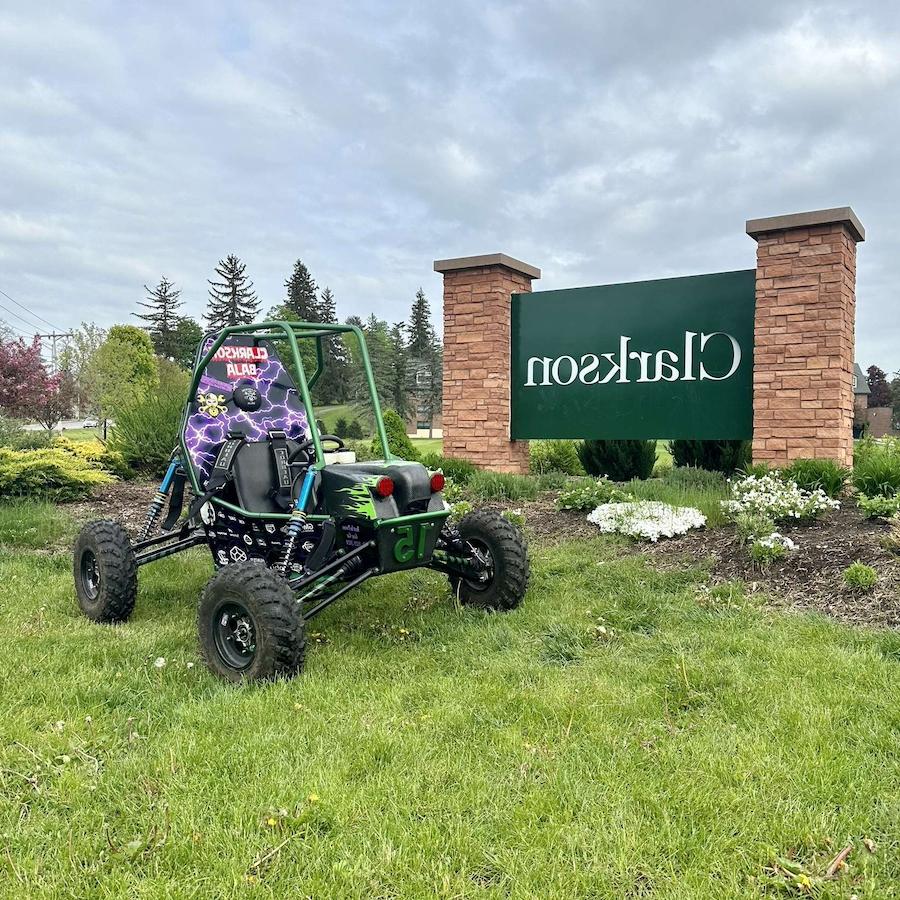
(671, 358)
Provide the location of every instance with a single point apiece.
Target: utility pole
(53, 337)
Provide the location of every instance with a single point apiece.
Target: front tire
(105, 571)
(250, 625)
(504, 546)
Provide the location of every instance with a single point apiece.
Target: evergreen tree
(421, 333)
(162, 317)
(425, 361)
(232, 301)
(302, 303)
(332, 386)
(399, 375)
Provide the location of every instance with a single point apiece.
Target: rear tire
(105, 572)
(505, 544)
(250, 625)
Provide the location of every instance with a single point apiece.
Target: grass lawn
(435, 751)
(328, 416)
(428, 445)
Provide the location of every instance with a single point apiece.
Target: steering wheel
(303, 446)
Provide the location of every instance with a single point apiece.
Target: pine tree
(399, 372)
(232, 301)
(425, 361)
(163, 316)
(302, 303)
(421, 332)
(332, 386)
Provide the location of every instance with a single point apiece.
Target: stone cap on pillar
(487, 259)
(842, 215)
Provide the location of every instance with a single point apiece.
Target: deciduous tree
(879, 389)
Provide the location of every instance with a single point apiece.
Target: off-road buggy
(292, 521)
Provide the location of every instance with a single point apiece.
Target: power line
(12, 327)
(30, 311)
(29, 324)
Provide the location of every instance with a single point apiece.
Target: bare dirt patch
(123, 501)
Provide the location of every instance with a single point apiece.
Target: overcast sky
(601, 141)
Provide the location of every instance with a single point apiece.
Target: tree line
(98, 366)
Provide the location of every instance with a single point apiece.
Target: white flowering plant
(647, 519)
(777, 498)
(767, 550)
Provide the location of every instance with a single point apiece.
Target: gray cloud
(601, 141)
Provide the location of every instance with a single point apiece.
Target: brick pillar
(477, 358)
(803, 343)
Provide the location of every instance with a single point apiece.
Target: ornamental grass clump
(777, 498)
(647, 519)
(860, 577)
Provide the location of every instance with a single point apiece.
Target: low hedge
(95, 453)
(51, 474)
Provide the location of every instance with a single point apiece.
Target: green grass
(476, 755)
(32, 525)
(428, 445)
(327, 416)
(82, 434)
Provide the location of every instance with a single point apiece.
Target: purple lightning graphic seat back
(240, 361)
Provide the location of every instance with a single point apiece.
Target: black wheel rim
(481, 548)
(234, 633)
(90, 574)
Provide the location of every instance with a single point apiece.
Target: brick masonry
(476, 402)
(804, 336)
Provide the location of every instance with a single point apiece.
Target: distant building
(860, 390)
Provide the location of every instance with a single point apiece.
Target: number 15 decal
(411, 544)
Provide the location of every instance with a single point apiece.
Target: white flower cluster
(777, 540)
(648, 519)
(776, 498)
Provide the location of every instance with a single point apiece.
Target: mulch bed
(810, 578)
(124, 501)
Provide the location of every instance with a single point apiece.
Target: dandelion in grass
(159, 662)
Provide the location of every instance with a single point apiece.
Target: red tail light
(437, 482)
(384, 487)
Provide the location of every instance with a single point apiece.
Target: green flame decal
(360, 501)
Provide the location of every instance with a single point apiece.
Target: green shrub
(489, 486)
(717, 456)
(14, 435)
(826, 474)
(460, 470)
(757, 470)
(879, 506)
(340, 427)
(363, 450)
(690, 477)
(752, 527)
(876, 467)
(860, 577)
(147, 426)
(589, 495)
(398, 440)
(355, 432)
(766, 550)
(50, 474)
(96, 453)
(554, 456)
(618, 460)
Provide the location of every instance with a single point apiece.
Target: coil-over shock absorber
(154, 511)
(295, 524)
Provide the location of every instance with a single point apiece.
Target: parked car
(90, 423)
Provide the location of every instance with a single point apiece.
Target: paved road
(65, 425)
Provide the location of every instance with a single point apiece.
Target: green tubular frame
(289, 330)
